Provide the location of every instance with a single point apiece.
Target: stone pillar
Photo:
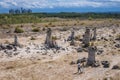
(49, 43)
(72, 42)
(48, 37)
(71, 37)
(91, 55)
(94, 34)
(86, 37)
(15, 40)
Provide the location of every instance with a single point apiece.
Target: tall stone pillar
(16, 41)
(86, 37)
(91, 55)
(71, 37)
(49, 43)
(94, 34)
(48, 37)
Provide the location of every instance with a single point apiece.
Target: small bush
(18, 30)
(7, 42)
(82, 23)
(32, 38)
(50, 23)
(54, 38)
(35, 29)
(46, 25)
(117, 37)
(90, 18)
(110, 19)
(75, 24)
(43, 29)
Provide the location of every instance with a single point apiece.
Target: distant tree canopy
(19, 11)
(16, 18)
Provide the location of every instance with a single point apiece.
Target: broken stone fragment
(71, 37)
(9, 47)
(105, 64)
(81, 60)
(96, 64)
(116, 67)
(100, 51)
(79, 49)
(117, 45)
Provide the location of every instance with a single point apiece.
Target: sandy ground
(34, 63)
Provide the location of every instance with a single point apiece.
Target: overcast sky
(62, 5)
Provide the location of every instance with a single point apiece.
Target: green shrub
(54, 38)
(35, 29)
(110, 19)
(32, 38)
(46, 25)
(82, 23)
(90, 18)
(18, 30)
(50, 23)
(118, 36)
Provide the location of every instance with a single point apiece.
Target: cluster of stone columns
(87, 37)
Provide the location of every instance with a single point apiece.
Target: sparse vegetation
(32, 38)
(34, 56)
(118, 36)
(35, 29)
(18, 30)
(54, 38)
(82, 23)
(90, 18)
(7, 42)
(36, 17)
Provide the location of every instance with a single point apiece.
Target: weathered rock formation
(86, 37)
(49, 42)
(94, 34)
(91, 55)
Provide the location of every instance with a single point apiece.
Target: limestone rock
(105, 64)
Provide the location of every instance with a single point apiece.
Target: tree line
(36, 17)
(19, 11)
